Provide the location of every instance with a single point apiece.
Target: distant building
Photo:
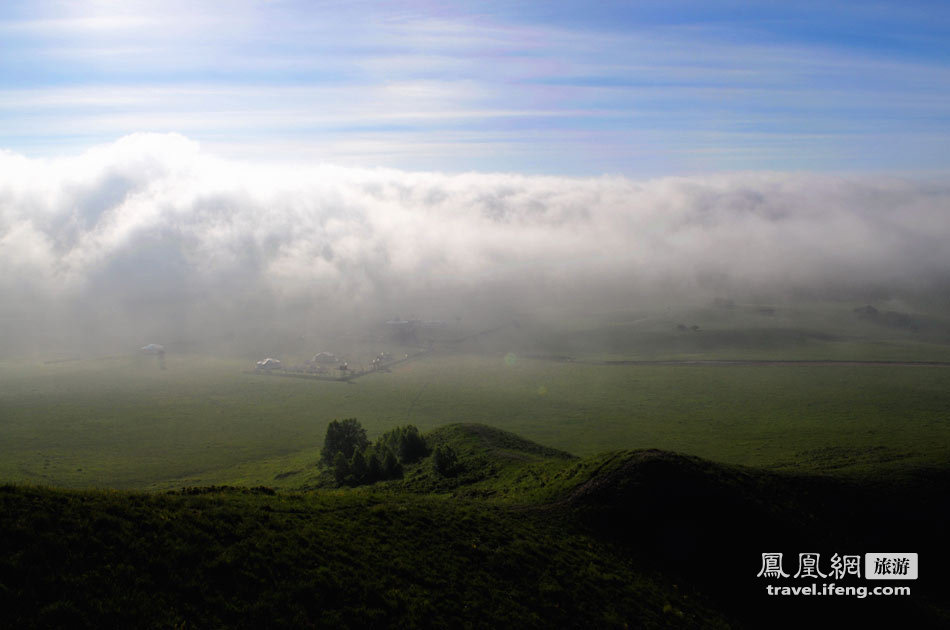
(324, 357)
(269, 364)
(157, 350)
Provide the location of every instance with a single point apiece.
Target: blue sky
(639, 89)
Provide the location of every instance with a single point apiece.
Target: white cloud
(152, 218)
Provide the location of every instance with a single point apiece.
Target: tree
(343, 436)
(358, 469)
(392, 469)
(406, 442)
(340, 468)
(375, 469)
(412, 447)
(445, 461)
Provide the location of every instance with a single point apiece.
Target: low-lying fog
(150, 239)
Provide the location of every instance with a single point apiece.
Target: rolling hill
(522, 536)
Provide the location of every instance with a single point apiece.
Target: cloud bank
(151, 236)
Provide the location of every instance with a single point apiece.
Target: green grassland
(122, 422)
(523, 536)
(204, 421)
(809, 331)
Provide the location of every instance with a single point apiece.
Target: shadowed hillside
(707, 524)
(521, 536)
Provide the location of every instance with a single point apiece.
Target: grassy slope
(230, 559)
(526, 536)
(399, 554)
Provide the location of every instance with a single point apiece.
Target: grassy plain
(122, 422)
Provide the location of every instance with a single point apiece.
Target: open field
(812, 331)
(122, 422)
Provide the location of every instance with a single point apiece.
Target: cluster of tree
(355, 461)
(445, 461)
(344, 437)
(366, 467)
(406, 442)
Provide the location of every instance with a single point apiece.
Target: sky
(187, 170)
(640, 89)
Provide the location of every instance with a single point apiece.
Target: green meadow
(122, 422)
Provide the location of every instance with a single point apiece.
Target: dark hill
(707, 525)
(521, 536)
(234, 558)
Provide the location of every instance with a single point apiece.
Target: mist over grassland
(149, 238)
